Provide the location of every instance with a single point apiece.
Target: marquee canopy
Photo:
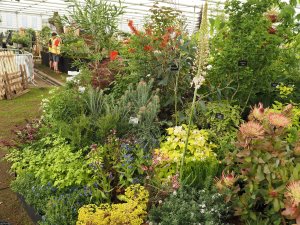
(134, 9)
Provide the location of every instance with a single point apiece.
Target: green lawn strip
(60, 77)
(14, 112)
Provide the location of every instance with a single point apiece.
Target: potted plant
(15, 39)
(20, 40)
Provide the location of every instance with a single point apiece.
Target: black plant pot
(45, 58)
(68, 64)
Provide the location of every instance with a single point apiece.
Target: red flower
(148, 48)
(165, 40)
(132, 28)
(113, 55)
(149, 31)
(170, 29)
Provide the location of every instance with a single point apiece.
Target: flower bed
(154, 134)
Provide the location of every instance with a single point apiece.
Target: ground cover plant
(170, 139)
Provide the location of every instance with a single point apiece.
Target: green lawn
(14, 112)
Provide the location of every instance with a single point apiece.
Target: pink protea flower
(297, 149)
(227, 180)
(258, 112)
(293, 192)
(291, 212)
(278, 120)
(252, 129)
(287, 109)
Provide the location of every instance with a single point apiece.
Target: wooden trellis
(13, 78)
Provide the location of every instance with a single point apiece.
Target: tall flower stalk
(200, 72)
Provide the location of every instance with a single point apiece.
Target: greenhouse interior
(150, 112)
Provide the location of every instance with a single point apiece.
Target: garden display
(163, 127)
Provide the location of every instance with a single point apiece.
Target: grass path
(12, 113)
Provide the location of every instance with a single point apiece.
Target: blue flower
(135, 181)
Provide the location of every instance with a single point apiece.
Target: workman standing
(55, 49)
(50, 43)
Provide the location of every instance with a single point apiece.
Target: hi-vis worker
(50, 43)
(55, 49)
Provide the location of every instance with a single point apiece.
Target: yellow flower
(132, 212)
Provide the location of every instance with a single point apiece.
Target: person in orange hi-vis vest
(56, 52)
(50, 43)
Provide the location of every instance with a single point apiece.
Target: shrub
(163, 52)
(60, 107)
(264, 164)
(222, 121)
(248, 57)
(57, 163)
(200, 160)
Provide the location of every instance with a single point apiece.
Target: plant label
(220, 116)
(243, 63)
(174, 67)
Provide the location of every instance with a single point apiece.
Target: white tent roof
(134, 9)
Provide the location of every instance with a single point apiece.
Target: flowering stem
(188, 135)
(175, 92)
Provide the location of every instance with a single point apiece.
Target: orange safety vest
(56, 46)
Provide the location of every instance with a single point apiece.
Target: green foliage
(250, 35)
(56, 207)
(191, 206)
(23, 39)
(75, 46)
(163, 17)
(44, 37)
(218, 116)
(56, 163)
(95, 114)
(34, 193)
(200, 160)
(222, 120)
(267, 160)
(116, 165)
(60, 106)
(163, 53)
(63, 209)
(98, 19)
